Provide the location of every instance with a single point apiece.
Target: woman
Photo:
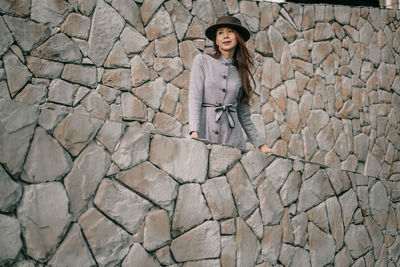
(220, 90)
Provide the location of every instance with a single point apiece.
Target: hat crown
(228, 19)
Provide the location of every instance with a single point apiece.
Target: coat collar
(224, 60)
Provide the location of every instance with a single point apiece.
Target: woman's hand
(265, 150)
(194, 134)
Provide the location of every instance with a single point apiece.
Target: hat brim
(210, 31)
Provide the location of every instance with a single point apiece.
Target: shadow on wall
(94, 169)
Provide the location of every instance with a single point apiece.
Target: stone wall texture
(95, 169)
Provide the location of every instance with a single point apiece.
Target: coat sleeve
(244, 116)
(196, 89)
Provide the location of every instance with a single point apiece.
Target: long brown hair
(243, 61)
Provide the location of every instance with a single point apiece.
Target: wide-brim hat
(227, 21)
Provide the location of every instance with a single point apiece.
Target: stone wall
(95, 169)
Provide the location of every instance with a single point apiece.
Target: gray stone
(180, 16)
(81, 74)
(196, 29)
(130, 12)
(299, 49)
(164, 256)
(114, 243)
(10, 238)
(375, 234)
(17, 73)
(95, 105)
(171, 155)
(41, 166)
(394, 249)
(20, 8)
(247, 244)
(310, 144)
(290, 190)
(342, 14)
(318, 215)
(168, 68)
(320, 51)
(27, 34)
(314, 190)
(271, 79)
(93, 164)
(73, 251)
(117, 57)
(44, 222)
(202, 242)
(343, 258)
(296, 145)
(286, 255)
(379, 203)
(361, 143)
(86, 6)
(156, 231)
(323, 31)
(366, 33)
(133, 108)
(76, 131)
(187, 52)
(243, 192)
(17, 127)
(322, 246)
(32, 94)
(277, 172)
(317, 120)
(103, 33)
(49, 12)
(59, 47)
(287, 65)
(160, 25)
(167, 124)
(118, 78)
(10, 192)
(166, 46)
(44, 68)
(121, 205)
(335, 221)
(170, 99)
(357, 240)
(130, 34)
(151, 93)
(271, 243)
(277, 42)
(163, 189)
(339, 180)
(76, 25)
(140, 72)
(270, 204)
(62, 92)
(149, 8)
(299, 225)
(228, 251)
(7, 38)
(304, 67)
(138, 256)
(254, 162)
(132, 149)
(341, 146)
(287, 30)
(221, 158)
(251, 14)
(255, 223)
(219, 198)
(189, 198)
(205, 11)
(372, 166)
(262, 43)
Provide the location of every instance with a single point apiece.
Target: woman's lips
(226, 42)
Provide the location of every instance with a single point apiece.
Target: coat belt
(220, 109)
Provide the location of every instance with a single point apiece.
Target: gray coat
(215, 111)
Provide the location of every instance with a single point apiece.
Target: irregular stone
(322, 246)
(95, 105)
(286, 64)
(166, 46)
(277, 172)
(286, 255)
(76, 25)
(129, 34)
(81, 74)
(304, 67)
(138, 256)
(59, 47)
(156, 231)
(263, 44)
(140, 72)
(17, 73)
(118, 79)
(41, 166)
(379, 203)
(349, 204)
(133, 108)
(176, 161)
(286, 225)
(318, 215)
(310, 144)
(170, 99)
(44, 68)
(314, 190)
(361, 143)
(271, 79)
(287, 30)
(277, 42)
(189, 198)
(243, 192)
(163, 189)
(42, 218)
(180, 16)
(73, 251)
(10, 192)
(7, 39)
(114, 243)
(221, 158)
(17, 126)
(187, 52)
(130, 209)
(149, 8)
(326, 138)
(117, 57)
(133, 148)
(205, 11)
(32, 94)
(219, 198)
(320, 51)
(228, 251)
(255, 223)
(299, 225)
(296, 145)
(167, 124)
(20, 8)
(341, 146)
(168, 68)
(317, 120)
(196, 29)
(270, 204)
(130, 12)
(323, 31)
(62, 92)
(10, 238)
(104, 33)
(375, 234)
(343, 258)
(204, 240)
(372, 166)
(93, 164)
(279, 95)
(335, 221)
(394, 249)
(251, 14)
(151, 93)
(49, 12)
(299, 49)
(290, 190)
(160, 25)
(271, 243)
(253, 162)
(247, 244)
(357, 240)
(339, 180)
(86, 6)
(164, 256)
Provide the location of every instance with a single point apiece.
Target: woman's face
(226, 39)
